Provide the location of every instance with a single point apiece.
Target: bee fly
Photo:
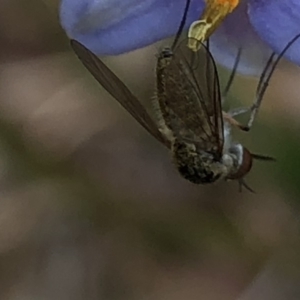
(189, 111)
(189, 114)
(190, 121)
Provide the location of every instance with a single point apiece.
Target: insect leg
(262, 86)
(232, 76)
(265, 78)
(229, 119)
(254, 111)
(238, 111)
(242, 184)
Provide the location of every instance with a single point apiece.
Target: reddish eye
(245, 166)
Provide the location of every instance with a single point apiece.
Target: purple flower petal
(110, 27)
(236, 32)
(277, 22)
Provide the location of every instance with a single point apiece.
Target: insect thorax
(197, 167)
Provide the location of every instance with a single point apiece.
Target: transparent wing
(117, 89)
(189, 96)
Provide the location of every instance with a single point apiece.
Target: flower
(111, 27)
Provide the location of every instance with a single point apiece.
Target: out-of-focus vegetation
(91, 206)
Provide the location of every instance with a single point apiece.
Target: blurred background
(91, 206)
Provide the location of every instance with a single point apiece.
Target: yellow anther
(214, 13)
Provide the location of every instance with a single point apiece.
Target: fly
(189, 115)
(188, 108)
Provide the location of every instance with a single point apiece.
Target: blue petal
(277, 22)
(237, 32)
(110, 27)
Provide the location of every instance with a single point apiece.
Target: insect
(188, 109)
(214, 13)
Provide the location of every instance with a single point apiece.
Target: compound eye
(245, 165)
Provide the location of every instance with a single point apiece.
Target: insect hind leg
(253, 109)
(229, 117)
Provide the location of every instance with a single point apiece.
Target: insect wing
(190, 99)
(117, 89)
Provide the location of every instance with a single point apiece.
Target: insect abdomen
(193, 166)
